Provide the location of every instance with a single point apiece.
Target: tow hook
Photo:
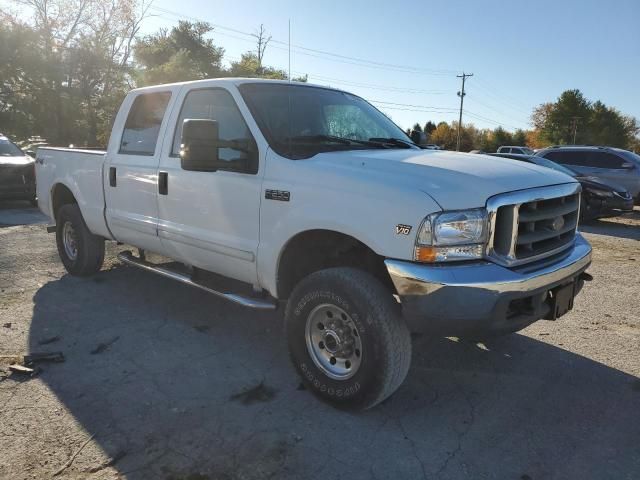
(586, 277)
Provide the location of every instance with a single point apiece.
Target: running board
(129, 259)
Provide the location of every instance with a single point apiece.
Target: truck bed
(82, 172)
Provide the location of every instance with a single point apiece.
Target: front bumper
(480, 298)
(26, 191)
(616, 205)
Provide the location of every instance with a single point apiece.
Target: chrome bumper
(456, 299)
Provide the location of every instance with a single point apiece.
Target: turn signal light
(426, 254)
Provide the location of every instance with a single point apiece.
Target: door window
(143, 124)
(218, 104)
(605, 160)
(569, 158)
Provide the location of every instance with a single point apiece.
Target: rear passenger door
(608, 166)
(575, 160)
(130, 173)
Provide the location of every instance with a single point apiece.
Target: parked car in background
(515, 149)
(612, 165)
(599, 199)
(17, 173)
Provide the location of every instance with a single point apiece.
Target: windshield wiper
(393, 141)
(334, 139)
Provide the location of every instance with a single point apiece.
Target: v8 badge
(403, 229)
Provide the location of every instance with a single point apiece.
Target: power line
(413, 106)
(501, 99)
(461, 94)
(473, 98)
(322, 54)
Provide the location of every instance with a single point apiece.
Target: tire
(89, 248)
(371, 335)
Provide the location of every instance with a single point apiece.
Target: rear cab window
(140, 134)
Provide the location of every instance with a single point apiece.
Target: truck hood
(16, 160)
(454, 180)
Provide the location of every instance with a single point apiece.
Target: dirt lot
(163, 381)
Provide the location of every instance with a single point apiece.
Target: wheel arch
(61, 195)
(316, 249)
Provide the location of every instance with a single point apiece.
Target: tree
(519, 137)
(573, 116)
(64, 66)
(181, 54)
(249, 66)
(429, 127)
(262, 40)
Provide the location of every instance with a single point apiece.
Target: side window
(218, 104)
(605, 160)
(143, 124)
(350, 121)
(568, 157)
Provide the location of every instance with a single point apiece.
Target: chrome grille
(529, 225)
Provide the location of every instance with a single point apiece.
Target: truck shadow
(177, 384)
(624, 226)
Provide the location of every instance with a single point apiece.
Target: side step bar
(129, 259)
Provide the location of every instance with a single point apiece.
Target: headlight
(601, 193)
(451, 236)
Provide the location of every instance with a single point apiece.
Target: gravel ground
(164, 381)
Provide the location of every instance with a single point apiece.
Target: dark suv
(613, 165)
(17, 174)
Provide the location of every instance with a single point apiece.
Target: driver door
(211, 219)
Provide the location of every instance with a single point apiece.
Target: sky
(404, 56)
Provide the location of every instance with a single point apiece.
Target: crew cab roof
(227, 81)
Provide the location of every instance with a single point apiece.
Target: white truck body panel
(81, 172)
(219, 221)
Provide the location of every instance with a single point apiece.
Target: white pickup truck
(273, 193)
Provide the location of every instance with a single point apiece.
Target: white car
(315, 201)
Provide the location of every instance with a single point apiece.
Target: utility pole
(574, 123)
(461, 94)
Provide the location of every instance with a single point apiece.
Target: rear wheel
(346, 338)
(81, 252)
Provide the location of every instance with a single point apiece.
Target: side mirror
(627, 166)
(31, 153)
(199, 145)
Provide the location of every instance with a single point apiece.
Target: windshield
(8, 149)
(555, 166)
(301, 121)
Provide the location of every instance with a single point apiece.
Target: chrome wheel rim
(333, 341)
(69, 240)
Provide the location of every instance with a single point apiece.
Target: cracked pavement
(187, 386)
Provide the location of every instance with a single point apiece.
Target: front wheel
(346, 338)
(81, 252)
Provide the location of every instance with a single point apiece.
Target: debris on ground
(110, 462)
(103, 347)
(32, 358)
(47, 341)
(7, 325)
(73, 457)
(22, 370)
(259, 393)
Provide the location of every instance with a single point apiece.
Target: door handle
(163, 183)
(112, 176)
